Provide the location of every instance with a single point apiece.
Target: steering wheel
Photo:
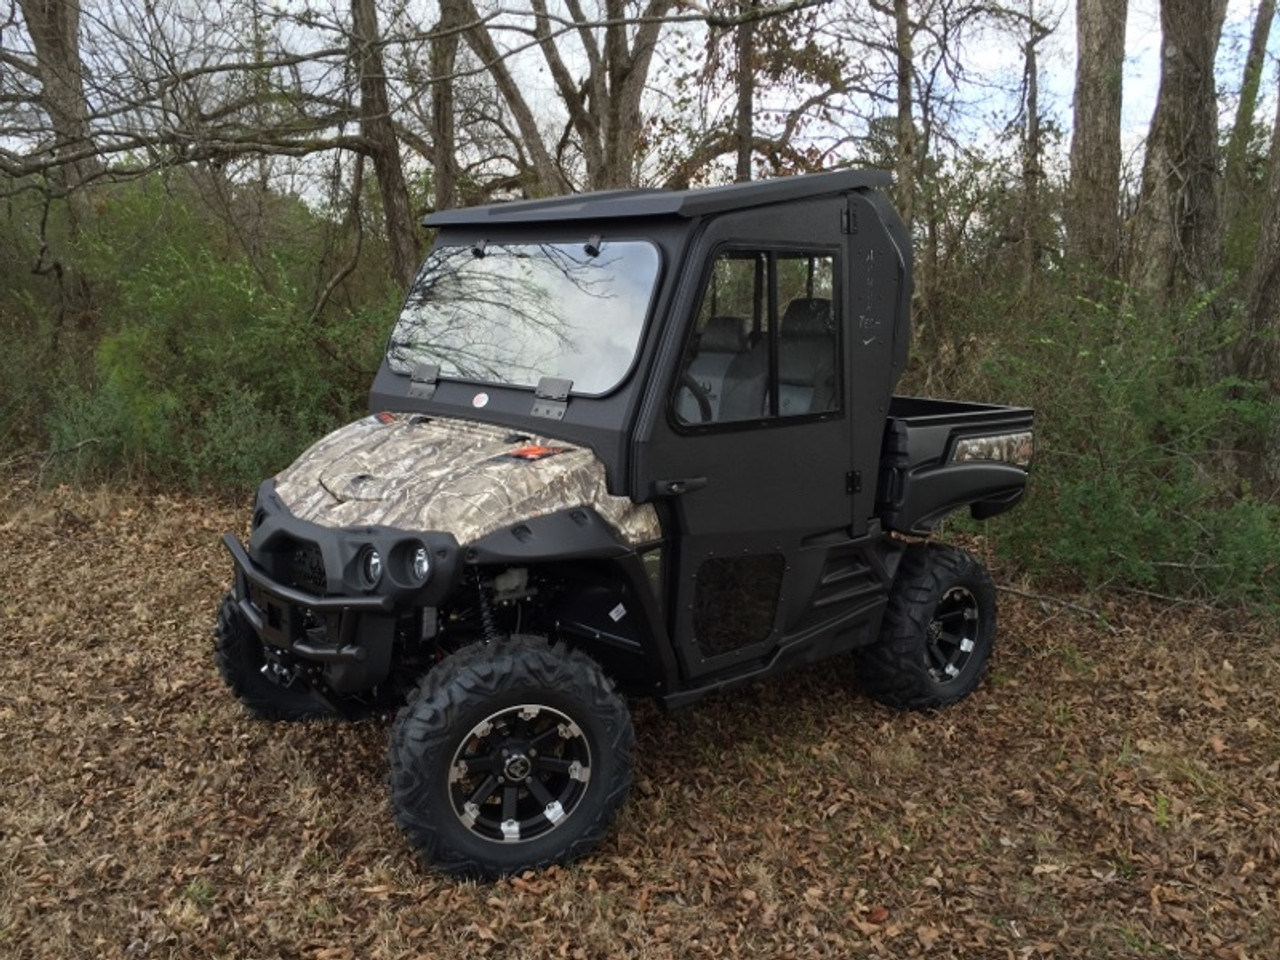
(700, 397)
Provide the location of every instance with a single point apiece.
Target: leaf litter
(1112, 789)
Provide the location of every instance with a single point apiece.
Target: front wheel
(241, 661)
(938, 631)
(510, 756)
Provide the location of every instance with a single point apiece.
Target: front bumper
(298, 585)
(267, 604)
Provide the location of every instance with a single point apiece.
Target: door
(748, 442)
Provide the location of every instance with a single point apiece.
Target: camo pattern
(454, 476)
(1015, 448)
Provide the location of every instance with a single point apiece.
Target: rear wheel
(938, 631)
(510, 756)
(241, 661)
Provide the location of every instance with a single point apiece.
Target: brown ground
(1112, 790)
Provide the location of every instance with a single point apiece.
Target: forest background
(209, 213)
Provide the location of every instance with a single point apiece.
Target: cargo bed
(942, 454)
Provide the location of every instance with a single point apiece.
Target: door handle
(674, 488)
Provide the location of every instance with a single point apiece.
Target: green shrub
(1136, 480)
(202, 365)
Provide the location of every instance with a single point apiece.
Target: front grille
(306, 569)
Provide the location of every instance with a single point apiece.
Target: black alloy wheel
(519, 773)
(952, 634)
(510, 756)
(938, 630)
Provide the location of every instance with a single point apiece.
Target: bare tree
(783, 56)
(905, 167)
(381, 145)
(1236, 183)
(166, 85)
(1178, 232)
(905, 79)
(1093, 204)
(1257, 353)
(746, 41)
(1259, 356)
(54, 29)
(604, 105)
(1032, 232)
(444, 59)
(541, 175)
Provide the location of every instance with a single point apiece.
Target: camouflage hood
(467, 479)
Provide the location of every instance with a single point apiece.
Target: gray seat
(807, 381)
(723, 340)
(746, 384)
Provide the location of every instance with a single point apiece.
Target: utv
(639, 442)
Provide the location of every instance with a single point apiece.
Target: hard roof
(612, 204)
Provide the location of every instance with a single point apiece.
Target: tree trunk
(604, 105)
(1093, 207)
(628, 71)
(1258, 353)
(444, 56)
(54, 26)
(1032, 171)
(383, 148)
(905, 167)
(1236, 186)
(1178, 232)
(746, 93)
(543, 177)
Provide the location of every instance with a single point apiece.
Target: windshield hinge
(551, 398)
(853, 482)
(422, 386)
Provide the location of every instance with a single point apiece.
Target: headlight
(420, 565)
(371, 567)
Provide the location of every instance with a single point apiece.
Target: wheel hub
(519, 773)
(518, 768)
(952, 634)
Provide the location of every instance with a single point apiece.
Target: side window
(808, 368)
(766, 340)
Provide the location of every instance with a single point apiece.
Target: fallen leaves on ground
(1113, 789)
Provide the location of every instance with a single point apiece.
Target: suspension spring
(487, 623)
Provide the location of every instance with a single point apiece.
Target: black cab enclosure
(636, 441)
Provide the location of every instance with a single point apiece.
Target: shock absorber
(487, 623)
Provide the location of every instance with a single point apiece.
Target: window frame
(771, 314)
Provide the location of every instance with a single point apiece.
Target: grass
(1117, 792)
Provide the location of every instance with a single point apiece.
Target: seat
(746, 384)
(722, 340)
(807, 381)
(807, 360)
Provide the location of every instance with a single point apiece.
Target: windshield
(515, 313)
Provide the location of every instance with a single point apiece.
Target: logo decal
(534, 453)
